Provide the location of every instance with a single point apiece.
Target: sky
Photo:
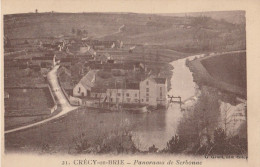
(73, 6)
(136, 6)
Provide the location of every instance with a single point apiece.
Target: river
(162, 131)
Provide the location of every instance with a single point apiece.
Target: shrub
(175, 145)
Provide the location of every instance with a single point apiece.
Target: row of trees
(79, 32)
(197, 133)
(122, 143)
(220, 145)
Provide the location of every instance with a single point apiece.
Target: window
(127, 94)
(147, 99)
(128, 100)
(142, 100)
(147, 94)
(160, 88)
(147, 82)
(111, 99)
(147, 89)
(118, 94)
(79, 90)
(136, 95)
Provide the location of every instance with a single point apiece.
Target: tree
(73, 31)
(81, 143)
(175, 145)
(85, 32)
(79, 33)
(26, 42)
(153, 149)
(219, 136)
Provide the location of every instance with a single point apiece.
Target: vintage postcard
(129, 83)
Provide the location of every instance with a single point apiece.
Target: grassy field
(185, 34)
(28, 102)
(226, 72)
(230, 68)
(23, 77)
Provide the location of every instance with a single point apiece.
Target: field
(184, 34)
(226, 72)
(229, 68)
(22, 102)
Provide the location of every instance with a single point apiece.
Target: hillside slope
(186, 34)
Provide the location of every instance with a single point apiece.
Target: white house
(84, 86)
(153, 91)
(129, 94)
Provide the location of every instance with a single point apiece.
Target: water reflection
(158, 128)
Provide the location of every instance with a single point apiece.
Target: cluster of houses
(37, 63)
(150, 91)
(68, 44)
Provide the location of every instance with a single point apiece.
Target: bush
(175, 145)
(116, 143)
(223, 145)
(153, 149)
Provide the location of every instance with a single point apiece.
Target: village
(90, 74)
(124, 83)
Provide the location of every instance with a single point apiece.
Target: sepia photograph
(125, 83)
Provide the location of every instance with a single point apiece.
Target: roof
(160, 80)
(132, 86)
(89, 79)
(156, 80)
(98, 89)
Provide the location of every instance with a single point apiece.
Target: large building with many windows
(153, 91)
(128, 94)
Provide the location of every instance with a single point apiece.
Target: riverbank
(217, 105)
(221, 80)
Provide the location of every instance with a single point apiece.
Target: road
(57, 92)
(117, 32)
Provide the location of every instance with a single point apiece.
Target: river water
(159, 131)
